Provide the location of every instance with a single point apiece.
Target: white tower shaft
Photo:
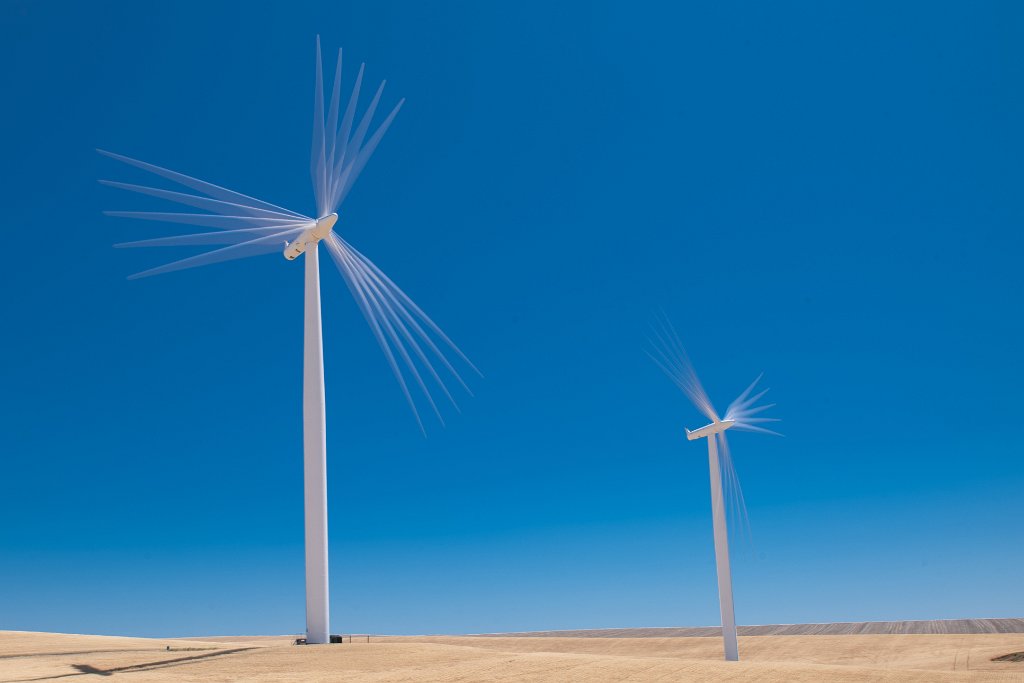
(314, 438)
(722, 554)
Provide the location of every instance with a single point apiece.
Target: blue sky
(825, 192)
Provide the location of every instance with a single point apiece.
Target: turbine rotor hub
(318, 231)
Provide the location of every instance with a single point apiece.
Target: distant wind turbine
(247, 226)
(671, 357)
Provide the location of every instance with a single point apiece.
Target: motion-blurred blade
(336, 251)
(409, 303)
(389, 322)
(753, 428)
(209, 189)
(205, 203)
(338, 153)
(737, 506)
(341, 151)
(396, 325)
(318, 155)
(331, 130)
(744, 408)
(356, 167)
(212, 220)
(261, 245)
(221, 237)
(669, 354)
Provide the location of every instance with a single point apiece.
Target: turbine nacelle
(709, 430)
(319, 230)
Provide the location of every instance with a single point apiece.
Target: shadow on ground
(89, 670)
(1012, 657)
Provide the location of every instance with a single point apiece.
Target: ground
(26, 656)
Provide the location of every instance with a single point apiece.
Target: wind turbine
(250, 226)
(741, 414)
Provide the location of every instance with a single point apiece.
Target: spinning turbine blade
(317, 157)
(364, 306)
(760, 430)
(385, 305)
(395, 326)
(394, 297)
(260, 245)
(263, 228)
(214, 205)
(341, 153)
(671, 357)
(384, 317)
(733, 490)
(407, 302)
(212, 220)
(742, 411)
(332, 126)
(355, 168)
(338, 154)
(364, 123)
(215, 191)
(223, 237)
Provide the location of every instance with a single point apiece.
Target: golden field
(26, 656)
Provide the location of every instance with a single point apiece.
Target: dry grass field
(868, 657)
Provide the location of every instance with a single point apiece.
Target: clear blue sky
(826, 192)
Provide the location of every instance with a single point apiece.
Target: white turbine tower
(247, 227)
(671, 357)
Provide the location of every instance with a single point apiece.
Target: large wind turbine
(247, 226)
(670, 355)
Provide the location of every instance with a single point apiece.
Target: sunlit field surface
(26, 656)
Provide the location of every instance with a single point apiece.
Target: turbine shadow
(73, 652)
(89, 670)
